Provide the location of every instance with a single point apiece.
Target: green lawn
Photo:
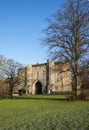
(48, 113)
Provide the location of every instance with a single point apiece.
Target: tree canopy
(9, 70)
(67, 35)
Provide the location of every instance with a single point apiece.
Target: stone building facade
(50, 77)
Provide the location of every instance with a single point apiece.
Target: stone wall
(51, 77)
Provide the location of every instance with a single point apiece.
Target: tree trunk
(77, 94)
(77, 85)
(11, 91)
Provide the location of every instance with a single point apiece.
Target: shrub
(2, 93)
(22, 91)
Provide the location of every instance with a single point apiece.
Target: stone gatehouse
(49, 77)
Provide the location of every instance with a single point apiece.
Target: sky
(21, 25)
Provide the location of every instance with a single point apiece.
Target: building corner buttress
(47, 77)
(29, 79)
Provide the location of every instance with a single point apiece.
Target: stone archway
(38, 87)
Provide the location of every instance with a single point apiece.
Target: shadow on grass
(41, 98)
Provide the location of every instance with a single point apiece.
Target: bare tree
(9, 71)
(67, 36)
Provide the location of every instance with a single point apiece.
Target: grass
(48, 113)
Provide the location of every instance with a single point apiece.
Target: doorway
(38, 87)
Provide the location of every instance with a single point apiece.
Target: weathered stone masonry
(49, 77)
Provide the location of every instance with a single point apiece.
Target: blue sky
(21, 25)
